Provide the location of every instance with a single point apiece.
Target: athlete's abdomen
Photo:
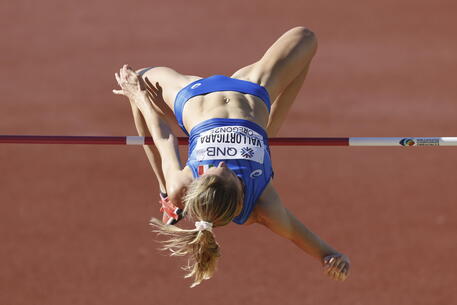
(225, 104)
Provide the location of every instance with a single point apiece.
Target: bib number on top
(230, 142)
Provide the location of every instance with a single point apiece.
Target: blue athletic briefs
(213, 84)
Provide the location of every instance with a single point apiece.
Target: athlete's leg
(283, 102)
(285, 60)
(282, 70)
(169, 81)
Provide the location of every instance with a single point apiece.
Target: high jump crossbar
(137, 140)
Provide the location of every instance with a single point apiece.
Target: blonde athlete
(228, 175)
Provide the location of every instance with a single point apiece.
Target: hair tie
(203, 225)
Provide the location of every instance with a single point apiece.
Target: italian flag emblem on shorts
(203, 168)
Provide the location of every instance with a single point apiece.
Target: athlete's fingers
(133, 78)
(118, 78)
(331, 268)
(329, 259)
(336, 261)
(329, 271)
(346, 269)
(342, 270)
(345, 272)
(343, 265)
(130, 74)
(333, 274)
(343, 276)
(122, 75)
(119, 92)
(128, 68)
(336, 266)
(338, 277)
(330, 263)
(125, 73)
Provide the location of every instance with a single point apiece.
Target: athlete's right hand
(337, 266)
(131, 84)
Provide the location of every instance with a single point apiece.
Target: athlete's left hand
(337, 266)
(131, 84)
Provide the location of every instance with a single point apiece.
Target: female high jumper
(228, 174)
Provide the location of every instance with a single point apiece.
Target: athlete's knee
(305, 36)
(303, 32)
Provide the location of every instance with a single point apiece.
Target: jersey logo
(196, 85)
(247, 152)
(256, 173)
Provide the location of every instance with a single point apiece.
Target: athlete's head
(216, 197)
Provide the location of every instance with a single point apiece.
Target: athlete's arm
(164, 139)
(151, 151)
(271, 213)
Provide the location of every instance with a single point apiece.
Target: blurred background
(74, 218)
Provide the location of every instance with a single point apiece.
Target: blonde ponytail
(210, 199)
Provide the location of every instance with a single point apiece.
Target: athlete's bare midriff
(227, 105)
(221, 104)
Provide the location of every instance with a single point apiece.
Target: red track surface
(73, 219)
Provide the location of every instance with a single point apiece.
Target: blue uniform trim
(216, 83)
(255, 175)
(144, 70)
